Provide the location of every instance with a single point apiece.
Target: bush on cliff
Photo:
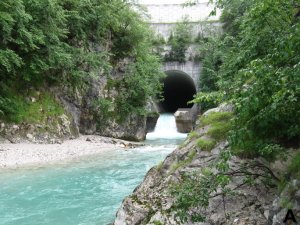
(259, 73)
(50, 42)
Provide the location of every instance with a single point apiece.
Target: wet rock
(151, 122)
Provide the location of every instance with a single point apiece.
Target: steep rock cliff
(249, 196)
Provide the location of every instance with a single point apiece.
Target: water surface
(88, 192)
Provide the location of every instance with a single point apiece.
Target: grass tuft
(206, 144)
(294, 166)
(219, 130)
(193, 134)
(215, 117)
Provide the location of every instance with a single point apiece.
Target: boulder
(151, 122)
(184, 120)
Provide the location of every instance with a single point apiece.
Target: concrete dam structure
(180, 84)
(163, 17)
(182, 80)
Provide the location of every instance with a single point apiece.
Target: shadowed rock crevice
(179, 88)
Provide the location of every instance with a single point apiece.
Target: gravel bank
(25, 154)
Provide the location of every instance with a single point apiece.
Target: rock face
(288, 199)
(54, 131)
(133, 129)
(249, 203)
(151, 122)
(81, 105)
(81, 116)
(153, 115)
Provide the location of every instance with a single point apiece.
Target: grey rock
(88, 139)
(151, 122)
(29, 136)
(251, 204)
(184, 120)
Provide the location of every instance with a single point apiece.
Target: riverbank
(27, 154)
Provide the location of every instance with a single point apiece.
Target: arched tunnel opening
(178, 90)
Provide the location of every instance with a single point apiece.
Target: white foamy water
(165, 128)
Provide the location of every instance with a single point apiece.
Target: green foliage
(215, 117)
(266, 90)
(207, 100)
(193, 134)
(195, 189)
(105, 108)
(50, 42)
(157, 222)
(219, 131)
(256, 67)
(294, 166)
(46, 106)
(179, 42)
(140, 82)
(206, 144)
(232, 14)
(211, 54)
(16, 108)
(159, 166)
(271, 151)
(220, 123)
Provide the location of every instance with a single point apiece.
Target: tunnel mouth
(178, 90)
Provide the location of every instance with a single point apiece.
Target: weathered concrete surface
(191, 68)
(203, 29)
(170, 13)
(184, 120)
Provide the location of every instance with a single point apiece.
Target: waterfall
(165, 128)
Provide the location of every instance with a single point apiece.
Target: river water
(88, 192)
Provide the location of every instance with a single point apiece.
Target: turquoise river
(88, 192)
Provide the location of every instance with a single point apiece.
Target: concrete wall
(191, 68)
(163, 18)
(205, 29)
(170, 13)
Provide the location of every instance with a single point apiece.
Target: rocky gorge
(203, 184)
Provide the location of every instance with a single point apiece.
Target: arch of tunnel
(179, 88)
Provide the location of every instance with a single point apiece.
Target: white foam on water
(165, 128)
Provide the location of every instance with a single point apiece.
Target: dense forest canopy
(65, 42)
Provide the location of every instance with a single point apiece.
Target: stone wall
(170, 13)
(191, 68)
(204, 29)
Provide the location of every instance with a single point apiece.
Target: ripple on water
(86, 193)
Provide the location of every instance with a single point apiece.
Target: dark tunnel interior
(178, 89)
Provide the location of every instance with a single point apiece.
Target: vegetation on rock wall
(179, 41)
(50, 42)
(256, 67)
